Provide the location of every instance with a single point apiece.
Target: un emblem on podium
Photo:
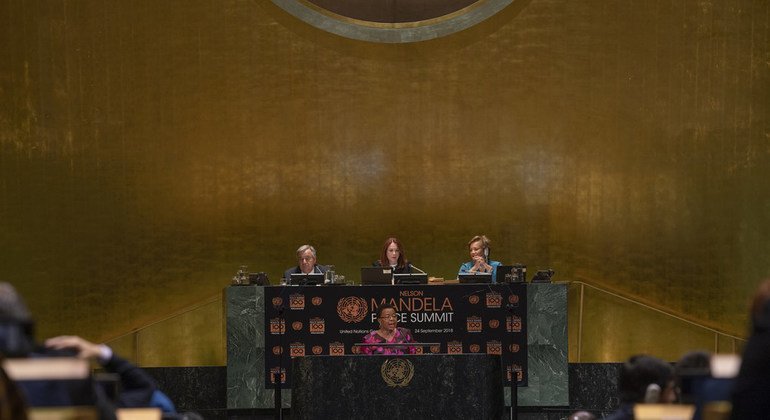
(397, 372)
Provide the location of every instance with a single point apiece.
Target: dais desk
(546, 338)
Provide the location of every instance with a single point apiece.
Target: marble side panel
(594, 386)
(246, 350)
(547, 347)
(196, 388)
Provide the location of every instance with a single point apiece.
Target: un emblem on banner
(397, 372)
(352, 309)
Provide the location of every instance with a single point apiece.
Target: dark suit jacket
(406, 269)
(136, 386)
(752, 386)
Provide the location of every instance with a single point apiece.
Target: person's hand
(85, 349)
(479, 262)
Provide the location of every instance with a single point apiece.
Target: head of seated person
(693, 364)
(306, 258)
(760, 309)
(479, 248)
(306, 263)
(392, 255)
(646, 379)
(16, 324)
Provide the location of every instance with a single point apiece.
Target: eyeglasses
(389, 317)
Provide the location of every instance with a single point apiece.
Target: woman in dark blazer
(393, 256)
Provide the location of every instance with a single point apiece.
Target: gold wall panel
(126, 347)
(605, 327)
(148, 149)
(614, 329)
(195, 337)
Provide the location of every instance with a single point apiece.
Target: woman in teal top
(480, 262)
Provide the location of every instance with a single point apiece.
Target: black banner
(328, 320)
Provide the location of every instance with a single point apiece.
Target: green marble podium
(433, 386)
(546, 342)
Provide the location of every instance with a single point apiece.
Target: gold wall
(148, 149)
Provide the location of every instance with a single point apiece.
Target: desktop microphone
(418, 269)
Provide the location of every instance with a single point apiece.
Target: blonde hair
(482, 238)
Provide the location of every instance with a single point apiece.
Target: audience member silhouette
(137, 388)
(693, 364)
(18, 341)
(643, 379)
(751, 393)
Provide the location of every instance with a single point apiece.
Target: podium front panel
(397, 387)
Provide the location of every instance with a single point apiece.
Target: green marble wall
(246, 350)
(547, 347)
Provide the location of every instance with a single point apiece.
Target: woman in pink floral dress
(390, 333)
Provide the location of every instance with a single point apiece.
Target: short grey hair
(301, 250)
(12, 305)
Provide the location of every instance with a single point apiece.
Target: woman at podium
(393, 256)
(389, 334)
